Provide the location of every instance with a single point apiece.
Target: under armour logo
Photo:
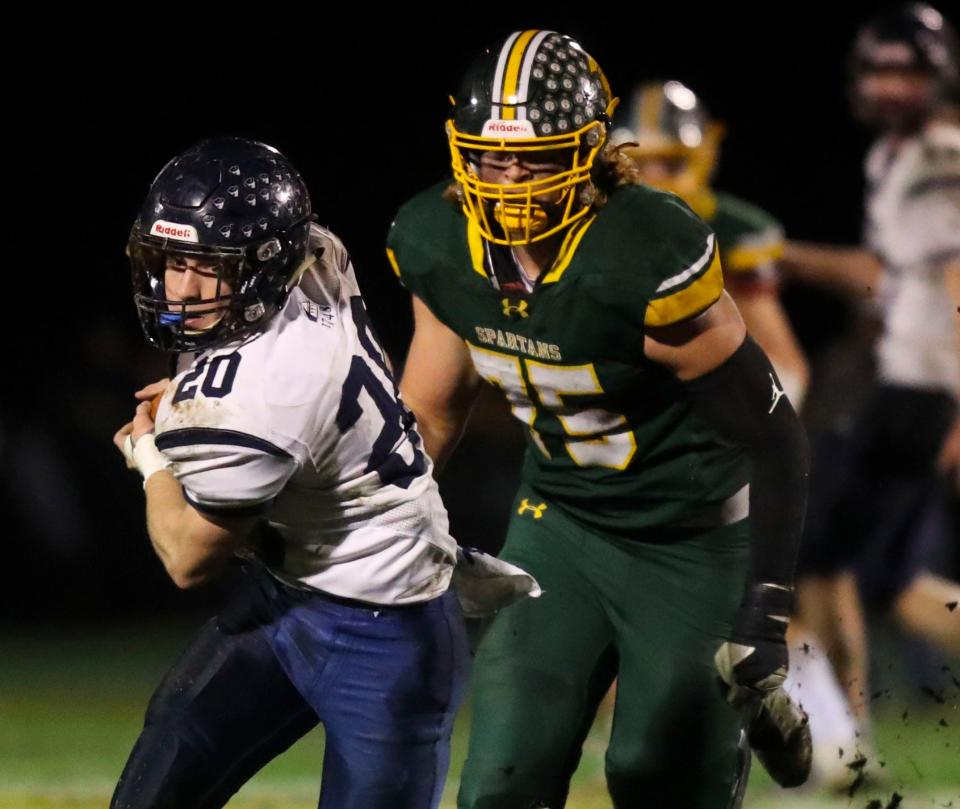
(537, 510)
(511, 309)
(778, 393)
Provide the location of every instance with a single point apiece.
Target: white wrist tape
(144, 455)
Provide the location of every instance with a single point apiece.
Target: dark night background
(359, 108)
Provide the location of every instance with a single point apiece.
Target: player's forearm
(853, 270)
(440, 432)
(177, 538)
(439, 383)
(741, 401)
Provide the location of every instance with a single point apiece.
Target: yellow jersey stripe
(475, 243)
(564, 256)
(392, 258)
(567, 249)
(690, 300)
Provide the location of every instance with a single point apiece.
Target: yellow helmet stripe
(511, 75)
(527, 69)
(498, 74)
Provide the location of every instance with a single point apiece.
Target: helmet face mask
(194, 322)
(529, 211)
(236, 215)
(541, 101)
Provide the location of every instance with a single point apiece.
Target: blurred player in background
(668, 134)
(596, 305)
(281, 441)
(878, 489)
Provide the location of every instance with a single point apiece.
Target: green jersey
(612, 437)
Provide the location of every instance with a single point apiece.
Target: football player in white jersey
(876, 490)
(281, 442)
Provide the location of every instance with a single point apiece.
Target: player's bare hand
(153, 393)
(125, 438)
(121, 439)
(154, 389)
(142, 421)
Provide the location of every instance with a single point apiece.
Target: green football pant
(652, 614)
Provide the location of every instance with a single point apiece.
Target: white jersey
(301, 423)
(913, 225)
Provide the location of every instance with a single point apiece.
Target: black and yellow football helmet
(539, 96)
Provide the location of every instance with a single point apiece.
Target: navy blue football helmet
(236, 206)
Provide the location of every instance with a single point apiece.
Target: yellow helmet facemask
(525, 212)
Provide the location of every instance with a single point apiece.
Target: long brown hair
(612, 170)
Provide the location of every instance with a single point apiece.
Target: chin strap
(313, 256)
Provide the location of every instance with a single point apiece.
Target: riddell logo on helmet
(496, 128)
(171, 230)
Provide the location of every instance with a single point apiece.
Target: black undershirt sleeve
(744, 401)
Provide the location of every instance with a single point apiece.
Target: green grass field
(71, 706)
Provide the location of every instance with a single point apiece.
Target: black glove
(754, 661)
(752, 667)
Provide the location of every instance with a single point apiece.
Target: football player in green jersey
(668, 133)
(664, 481)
